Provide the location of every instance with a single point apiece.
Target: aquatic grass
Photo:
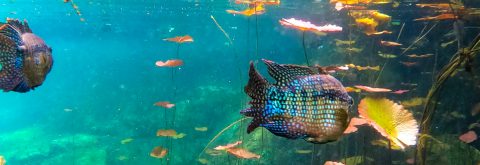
(459, 60)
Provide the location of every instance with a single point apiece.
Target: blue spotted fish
(25, 59)
(305, 102)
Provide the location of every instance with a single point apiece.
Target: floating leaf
(242, 153)
(202, 161)
(231, 145)
(303, 151)
(308, 26)
(169, 63)
(201, 129)
(371, 89)
(468, 137)
(127, 140)
(390, 120)
(333, 163)
(164, 104)
(158, 152)
(180, 39)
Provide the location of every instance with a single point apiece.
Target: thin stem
(305, 49)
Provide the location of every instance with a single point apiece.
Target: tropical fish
(158, 152)
(25, 59)
(231, 145)
(242, 153)
(305, 102)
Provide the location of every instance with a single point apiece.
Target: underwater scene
(287, 82)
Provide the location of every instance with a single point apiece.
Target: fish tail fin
(253, 125)
(257, 85)
(256, 89)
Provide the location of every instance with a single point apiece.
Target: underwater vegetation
(339, 82)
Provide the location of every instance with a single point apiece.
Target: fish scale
(303, 103)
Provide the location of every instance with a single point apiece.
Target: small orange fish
(231, 145)
(164, 104)
(371, 89)
(158, 152)
(438, 17)
(66, 1)
(169, 63)
(180, 39)
(390, 43)
(242, 153)
(468, 137)
(408, 64)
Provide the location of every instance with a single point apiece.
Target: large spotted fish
(25, 59)
(305, 102)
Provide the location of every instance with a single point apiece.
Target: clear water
(104, 83)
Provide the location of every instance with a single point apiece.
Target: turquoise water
(104, 82)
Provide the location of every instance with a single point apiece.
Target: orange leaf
(228, 146)
(169, 63)
(180, 39)
(165, 104)
(158, 152)
(371, 89)
(242, 153)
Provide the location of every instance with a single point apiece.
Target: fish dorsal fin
(257, 85)
(18, 26)
(12, 31)
(284, 73)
